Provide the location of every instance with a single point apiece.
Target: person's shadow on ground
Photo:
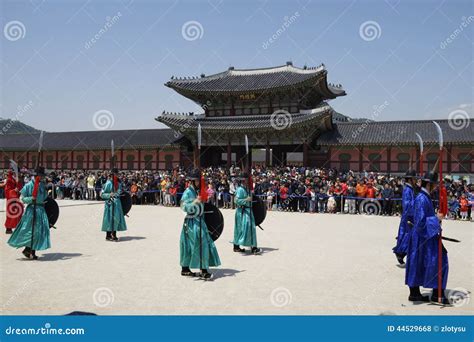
(57, 256)
(130, 238)
(222, 273)
(265, 250)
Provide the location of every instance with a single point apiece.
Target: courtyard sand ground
(312, 264)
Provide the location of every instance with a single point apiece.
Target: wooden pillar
(305, 153)
(139, 159)
(449, 159)
(389, 159)
(267, 154)
(28, 159)
(157, 157)
(72, 160)
(57, 160)
(88, 159)
(197, 157)
(104, 165)
(361, 158)
(121, 159)
(229, 153)
(328, 163)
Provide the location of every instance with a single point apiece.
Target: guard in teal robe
(245, 232)
(196, 248)
(25, 235)
(114, 220)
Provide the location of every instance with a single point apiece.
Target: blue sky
(51, 80)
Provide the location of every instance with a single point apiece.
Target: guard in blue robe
(406, 221)
(422, 257)
(114, 220)
(32, 232)
(196, 247)
(245, 232)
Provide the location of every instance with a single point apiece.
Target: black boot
(108, 236)
(416, 296)
(186, 272)
(33, 255)
(8, 231)
(27, 252)
(435, 298)
(114, 236)
(256, 250)
(400, 257)
(205, 274)
(237, 249)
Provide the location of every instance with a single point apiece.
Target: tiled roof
(396, 133)
(244, 123)
(127, 139)
(241, 80)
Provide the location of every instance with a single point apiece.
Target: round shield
(214, 220)
(126, 201)
(259, 209)
(52, 211)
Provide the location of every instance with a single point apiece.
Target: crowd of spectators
(291, 188)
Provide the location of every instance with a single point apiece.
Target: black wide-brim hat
(194, 174)
(39, 171)
(410, 174)
(430, 177)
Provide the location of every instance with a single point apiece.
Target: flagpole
(440, 243)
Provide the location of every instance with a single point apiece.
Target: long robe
(408, 200)
(245, 233)
(422, 258)
(113, 214)
(14, 205)
(21, 236)
(190, 250)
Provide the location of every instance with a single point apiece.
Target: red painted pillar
(88, 159)
(361, 156)
(104, 165)
(57, 160)
(72, 160)
(28, 159)
(121, 159)
(139, 159)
